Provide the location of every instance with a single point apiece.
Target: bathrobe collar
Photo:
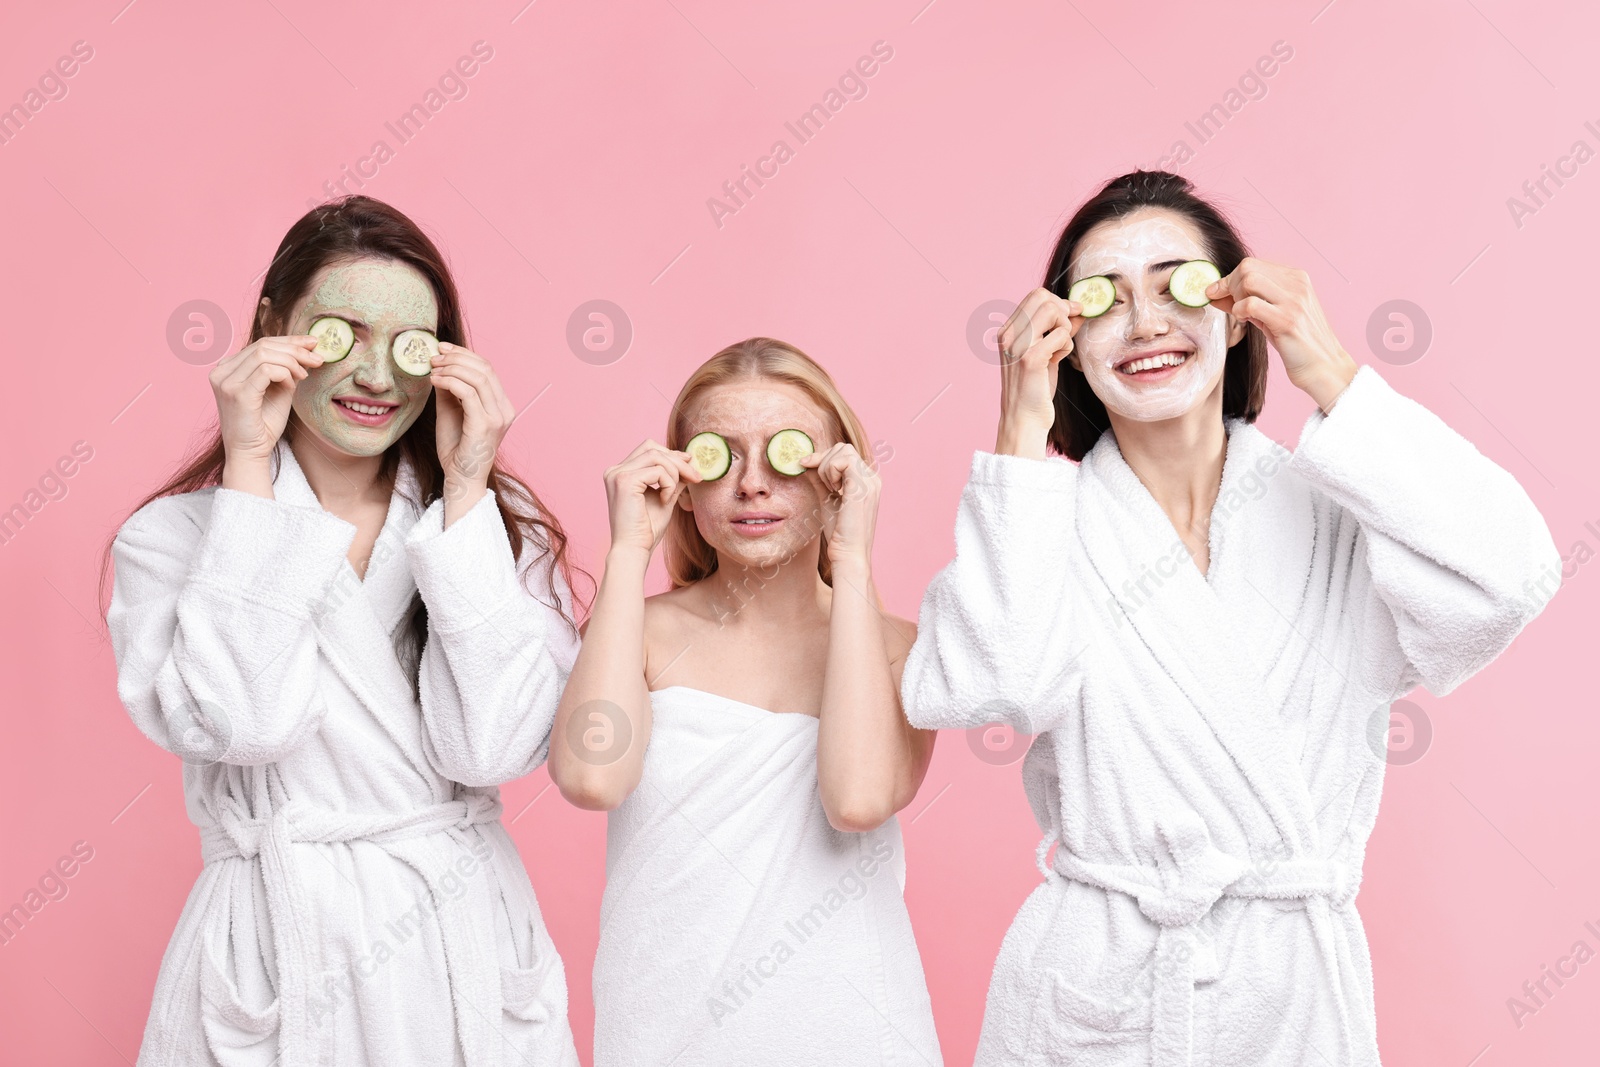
(359, 620)
(1185, 622)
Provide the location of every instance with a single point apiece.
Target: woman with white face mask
(1205, 632)
(744, 731)
(352, 623)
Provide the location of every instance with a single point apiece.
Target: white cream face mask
(1146, 323)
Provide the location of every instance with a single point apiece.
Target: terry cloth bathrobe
(358, 904)
(1210, 748)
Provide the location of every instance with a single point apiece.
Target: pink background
(578, 167)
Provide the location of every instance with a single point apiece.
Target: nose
(1149, 317)
(754, 478)
(375, 372)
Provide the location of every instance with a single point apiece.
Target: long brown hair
(689, 556)
(354, 227)
(1080, 416)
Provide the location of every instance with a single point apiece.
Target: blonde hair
(689, 557)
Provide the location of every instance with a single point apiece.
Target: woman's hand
(473, 416)
(641, 492)
(1033, 342)
(850, 508)
(254, 388)
(1280, 301)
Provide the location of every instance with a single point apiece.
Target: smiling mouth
(1157, 361)
(357, 406)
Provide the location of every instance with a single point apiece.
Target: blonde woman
(745, 730)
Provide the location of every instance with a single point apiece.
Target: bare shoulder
(675, 607)
(898, 637)
(669, 618)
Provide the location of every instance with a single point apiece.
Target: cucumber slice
(334, 337)
(1189, 282)
(413, 351)
(1096, 294)
(785, 450)
(710, 455)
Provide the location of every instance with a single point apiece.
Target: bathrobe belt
(1177, 898)
(270, 840)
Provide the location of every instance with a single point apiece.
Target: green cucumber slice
(785, 450)
(1189, 282)
(1095, 294)
(334, 337)
(413, 351)
(710, 455)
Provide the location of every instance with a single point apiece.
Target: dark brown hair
(355, 227)
(1080, 416)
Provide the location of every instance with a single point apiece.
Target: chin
(355, 446)
(364, 449)
(355, 441)
(762, 559)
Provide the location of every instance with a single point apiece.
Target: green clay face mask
(361, 404)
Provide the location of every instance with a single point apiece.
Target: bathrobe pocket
(1103, 1011)
(238, 998)
(1076, 999)
(533, 987)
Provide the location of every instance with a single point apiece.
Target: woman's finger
(477, 370)
(1040, 311)
(1271, 318)
(246, 378)
(653, 475)
(462, 389)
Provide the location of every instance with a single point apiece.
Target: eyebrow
(1154, 268)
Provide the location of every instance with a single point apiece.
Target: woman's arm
(870, 760)
(603, 722)
(997, 638)
(602, 725)
(212, 622)
(1457, 551)
(497, 654)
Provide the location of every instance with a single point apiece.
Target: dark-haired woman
(1205, 631)
(343, 616)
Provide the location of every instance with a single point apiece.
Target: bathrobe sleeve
(497, 655)
(997, 640)
(211, 622)
(1457, 551)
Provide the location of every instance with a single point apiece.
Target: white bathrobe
(738, 926)
(357, 904)
(1209, 750)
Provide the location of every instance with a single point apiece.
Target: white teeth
(365, 409)
(1165, 359)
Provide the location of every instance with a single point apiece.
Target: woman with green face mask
(343, 616)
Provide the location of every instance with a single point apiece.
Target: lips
(755, 523)
(365, 411)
